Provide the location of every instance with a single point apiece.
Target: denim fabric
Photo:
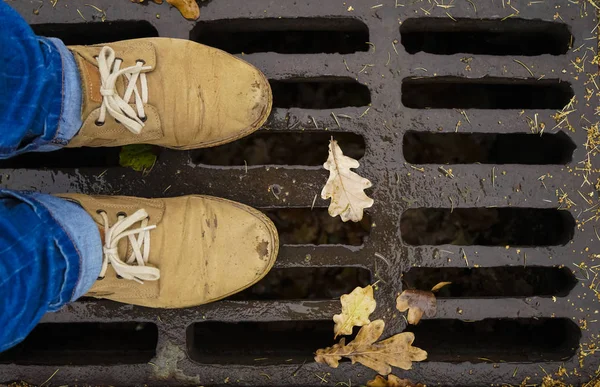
(49, 247)
(83, 231)
(40, 89)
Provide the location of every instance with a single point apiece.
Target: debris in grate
(449, 92)
(497, 340)
(86, 344)
(513, 36)
(280, 148)
(487, 148)
(501, 281)
(284, 35)
(306, 283)
(97, 32)
(305, 226)
(319, 93)
(502, 226)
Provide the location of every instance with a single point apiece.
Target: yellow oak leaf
(345, 188)
(396, 351)
(189, 8)
(392, 381)
(356, 308)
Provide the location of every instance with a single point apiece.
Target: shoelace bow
(119, 108)
(134, 268)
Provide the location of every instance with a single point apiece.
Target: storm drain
(449, 110)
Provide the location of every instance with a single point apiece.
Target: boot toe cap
(236, 248)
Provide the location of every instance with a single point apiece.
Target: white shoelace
(117, 107)
(113, 234)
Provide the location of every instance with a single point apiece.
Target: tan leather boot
(178, 252)
(168, 92)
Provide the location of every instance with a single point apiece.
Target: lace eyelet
(119, 214)
(99, 212)
(143, 119)
(98, 123)
(118, 122)
(99, 278)
(119, 277)
(143, 62)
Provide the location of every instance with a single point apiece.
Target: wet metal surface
(182, 359)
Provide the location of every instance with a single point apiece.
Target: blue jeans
(50, 248)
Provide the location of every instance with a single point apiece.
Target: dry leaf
(418, 302)
(188, 8)
(439, 286)
(344, 187)
(356, 308)
(396, 351)
(392, 381)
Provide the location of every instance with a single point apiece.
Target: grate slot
(319, 93)
(257, 343)
(284, 36)
(280, 148)
(487, 148)
(95, 33)
(86, 344)
(499, 226)
(444, 36)
(502, 281)
(306, 283)
(448, 92)
(66, 158)
(306, 226)
(497, 340)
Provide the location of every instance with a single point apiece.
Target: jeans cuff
(84, 233)
(70, 121)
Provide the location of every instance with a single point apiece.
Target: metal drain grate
(432, 85)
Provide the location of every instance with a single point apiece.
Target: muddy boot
(168, 92)
(178, 252)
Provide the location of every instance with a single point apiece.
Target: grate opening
(305, 226)
(95, 33)
(485, 93)
(444, 36)
(280, 148)
(487, 148)
(319, 93)
(306, 283)
(505, 281)
(497, 340)
(498, 226)
(86, 344)
(257, 343)
(65, 158)
(284, 36)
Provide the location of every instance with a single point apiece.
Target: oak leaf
(344, 187)
(417, 302)
(356, 308)
(396, 351)
(392, 381)
(189, 8)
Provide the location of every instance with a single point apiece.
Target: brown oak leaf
(356, 309)
(392, 381)
(396, 351)
(417, 302)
